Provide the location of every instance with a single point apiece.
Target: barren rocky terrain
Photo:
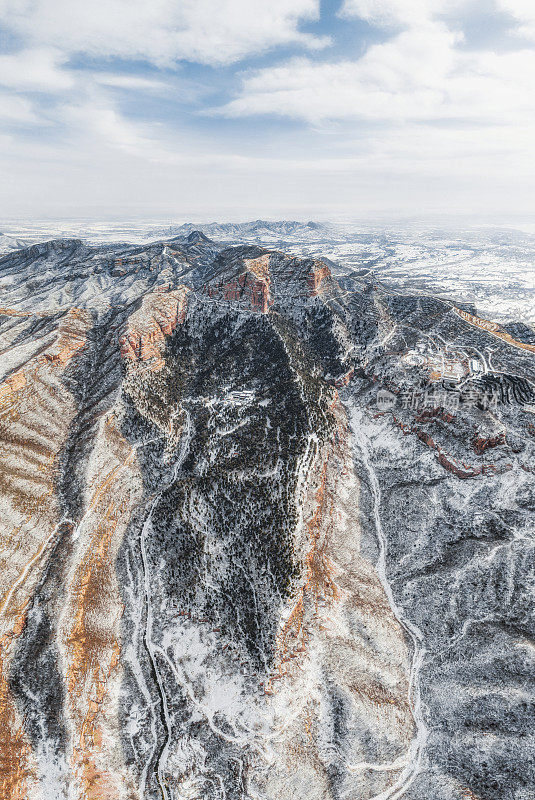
(267, 530)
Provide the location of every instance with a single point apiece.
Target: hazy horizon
(454, 222)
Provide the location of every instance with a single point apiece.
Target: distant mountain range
(240, 231)
(490, 268)
(9, 243)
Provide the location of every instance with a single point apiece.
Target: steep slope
(264, 537)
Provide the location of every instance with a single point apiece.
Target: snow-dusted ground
(492, 268)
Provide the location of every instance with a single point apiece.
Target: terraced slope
(254, 545)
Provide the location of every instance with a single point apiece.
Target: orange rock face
(199, 534)
(245, 286)
(257, 280)
(337, 586)
(147, 328)
(251, 285)
(344, 380)
(15, 753)
(90, 629)
(459, 469)
(316, 277)
(480, 443)
(494, 329)
(35, 413)
(71, 338)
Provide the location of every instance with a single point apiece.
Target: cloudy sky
(245, 108)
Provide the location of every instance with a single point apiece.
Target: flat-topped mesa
(146, 328)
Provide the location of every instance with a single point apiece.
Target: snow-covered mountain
(242, 231)
(267, 526)
(491, 268)
(10, 243)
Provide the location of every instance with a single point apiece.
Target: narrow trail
(411, 770)
(150, 647)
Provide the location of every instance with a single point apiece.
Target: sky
(239, 109)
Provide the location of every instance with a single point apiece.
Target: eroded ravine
(403, 783)
(228, 572)
(159, 748)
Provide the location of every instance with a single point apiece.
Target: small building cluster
(452, 366)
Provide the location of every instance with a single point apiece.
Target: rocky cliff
(264, 537)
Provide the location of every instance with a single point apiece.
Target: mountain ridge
(259, 526)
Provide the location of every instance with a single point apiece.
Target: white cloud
(415, 13)
(414, 118)
(162, 31)
(34, 69)
(390, 12)
(417, 106)
(98, 119)
(15, 109)
(389, 83)
(420, 74)
(131, 82)
(402, 13)
(524, 12)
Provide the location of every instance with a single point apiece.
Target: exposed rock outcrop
(147, 328)
(228, 570)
